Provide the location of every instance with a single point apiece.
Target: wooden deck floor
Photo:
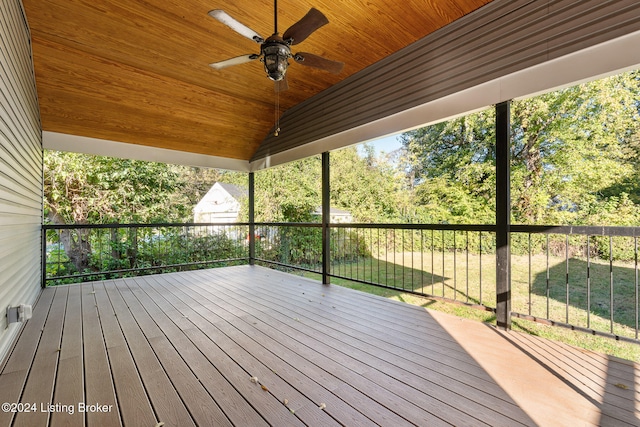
(248, 346)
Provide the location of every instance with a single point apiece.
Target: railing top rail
(581, 230)
(288, 224)
(135, 225)
(397, 226)
(628, 231)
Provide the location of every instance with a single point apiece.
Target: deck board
(69, 387)
(349, 348)
(238, 410)
(165, 399)
(132, 398)
(345, 362)
(271, 382)
(181, 349)
(310, 363)
(16, 369)
(193, 393)
(235, 363)
(44, 366)
(99, 382)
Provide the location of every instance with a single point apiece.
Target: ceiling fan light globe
(276, 77)
(276, 70)
(276, 60)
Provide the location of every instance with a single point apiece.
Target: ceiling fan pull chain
(277, 113)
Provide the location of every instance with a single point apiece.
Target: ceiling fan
(275, 51)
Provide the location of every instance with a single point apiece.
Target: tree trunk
(116, 251)
(75, 242)
(132, 249)
(533, 162)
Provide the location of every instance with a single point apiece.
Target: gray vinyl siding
(20, 170)
(503, 37)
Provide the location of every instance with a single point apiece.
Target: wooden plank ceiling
(137, 71)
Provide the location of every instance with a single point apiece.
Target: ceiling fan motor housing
(275, 56)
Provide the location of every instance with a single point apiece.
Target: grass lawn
(553, 282)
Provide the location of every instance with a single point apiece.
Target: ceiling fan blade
(238, 27)
(315, 61)
(234, 61)
(281, 85)
(299, 31)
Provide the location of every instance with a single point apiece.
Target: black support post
(252, 221)
(503, 216)
(326, 219)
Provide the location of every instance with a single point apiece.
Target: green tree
(84, 189)
(94, 189)
(289, 192)
(368, 187)
(364, 185)
(571, 144)
(452, 165)
(570, 149)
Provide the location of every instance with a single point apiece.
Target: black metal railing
(74, 253)
(296, 246)
(584, 278)
(454, 262)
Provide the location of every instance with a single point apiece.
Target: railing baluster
(635, 258)
(530, 269)
(588, 283)
(357, 254)
(566, 275)
(433, 270)
(59, 253)
(455, 267)
(394, 258)
(350, 253)
(480, 263)
(386, 256)
(368, 251)
(443, 272)
(422, 261)
(467, 249)
(412, 267)
(378, 260)
(547, 290)
(611, 282)
(402, 270)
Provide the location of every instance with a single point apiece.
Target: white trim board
(102, 147)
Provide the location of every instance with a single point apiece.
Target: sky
(386, 144)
